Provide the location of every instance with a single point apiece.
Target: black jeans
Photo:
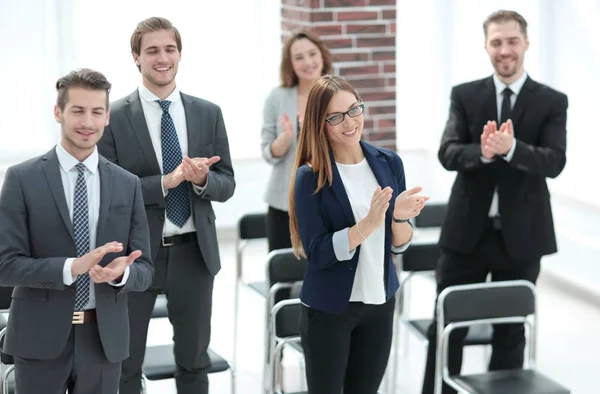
(278, 229)
(508, 341)
(349, 351)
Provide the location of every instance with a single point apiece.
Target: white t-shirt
(360, 184)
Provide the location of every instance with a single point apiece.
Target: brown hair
(287, 74)
(313, 145)
(82, 78)
(505, 16)
(149, 25)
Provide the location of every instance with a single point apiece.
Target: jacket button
(351, 269)
(161, 218)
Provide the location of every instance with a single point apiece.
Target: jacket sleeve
(268, 133)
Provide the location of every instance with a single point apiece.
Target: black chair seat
(510, 381)
(159, 362)
(260, 287)
(160, 307)
(478, 335)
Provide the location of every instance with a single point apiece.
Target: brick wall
(362, 37)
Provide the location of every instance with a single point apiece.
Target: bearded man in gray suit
(177, 145)
(74, 242)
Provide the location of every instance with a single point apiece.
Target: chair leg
(232, 371)
(5, 377)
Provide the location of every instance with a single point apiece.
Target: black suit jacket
(127, 143)
(539, 117)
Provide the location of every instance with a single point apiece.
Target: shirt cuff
(123, 281)
(486, 160)
(68, 278)
(200, 189)
(341, 245)
(511, 152)
(162, 186)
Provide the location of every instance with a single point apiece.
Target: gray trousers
(82, 368)
(181, 274)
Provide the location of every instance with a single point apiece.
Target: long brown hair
(313, 145)
(287, 74)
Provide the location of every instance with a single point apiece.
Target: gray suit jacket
(36, 237)
(280, 100)
(127, 143)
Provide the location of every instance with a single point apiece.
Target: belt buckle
(166, 244)
(78, 317)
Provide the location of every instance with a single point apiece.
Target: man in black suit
(177, 145)
(504, 136)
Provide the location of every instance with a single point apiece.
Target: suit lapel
(490, 104)
(525, 96)
(135, 113)
(106, 185)
(340, 192)
(380, 169)
(52, 172)
(193, 122)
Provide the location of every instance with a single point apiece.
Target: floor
(568, 341)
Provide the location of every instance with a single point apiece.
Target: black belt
(178, 239)
(496, 222)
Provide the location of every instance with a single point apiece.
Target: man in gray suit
(177, 145)
(74, 242)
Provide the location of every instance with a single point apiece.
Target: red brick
(386, 123)
(321, 16)
(388, 14)
(377, 135)
(368, 124)
(379, 96)
(376, 42)
(350, 57)
(381, 109)
(392, 27)
(382, 2)
(356, 15)
(315, 4)
(389, 68)
(344, 3)
(390, 82)
(365, 29)
(360, 70)
(294, 14)
(384, 55)
(327, 30)
(338, 43)
(291, 26)
(367, 83)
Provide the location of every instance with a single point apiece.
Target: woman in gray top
(304, 60)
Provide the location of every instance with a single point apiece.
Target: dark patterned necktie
(505, 111)
(81, 230)
(178, 199)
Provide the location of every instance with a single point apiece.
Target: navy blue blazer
(328, 282)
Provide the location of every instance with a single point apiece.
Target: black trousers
(278, 229)
(82, 368)
(349, 351)
(180, 273)
(508, 341)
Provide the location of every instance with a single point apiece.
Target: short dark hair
(150, 25)
(82, 78)
(505, 16)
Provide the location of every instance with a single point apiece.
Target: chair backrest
(432, 215)
(252, 226)
(5, 298)
(488, 300)
(286, 318)
(284, 266)
(421, 257)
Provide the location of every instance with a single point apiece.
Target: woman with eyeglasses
(349, 212)
(305, 59)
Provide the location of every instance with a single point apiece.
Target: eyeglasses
(352, 112)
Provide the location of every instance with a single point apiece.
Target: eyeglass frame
(361, 105)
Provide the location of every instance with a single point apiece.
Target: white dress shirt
(68, 176)
(153, 114)
(515, 87)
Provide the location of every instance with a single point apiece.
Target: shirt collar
(515, 86)
(150, 97)
(68, 162)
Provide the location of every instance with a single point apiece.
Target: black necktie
(505, 111)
